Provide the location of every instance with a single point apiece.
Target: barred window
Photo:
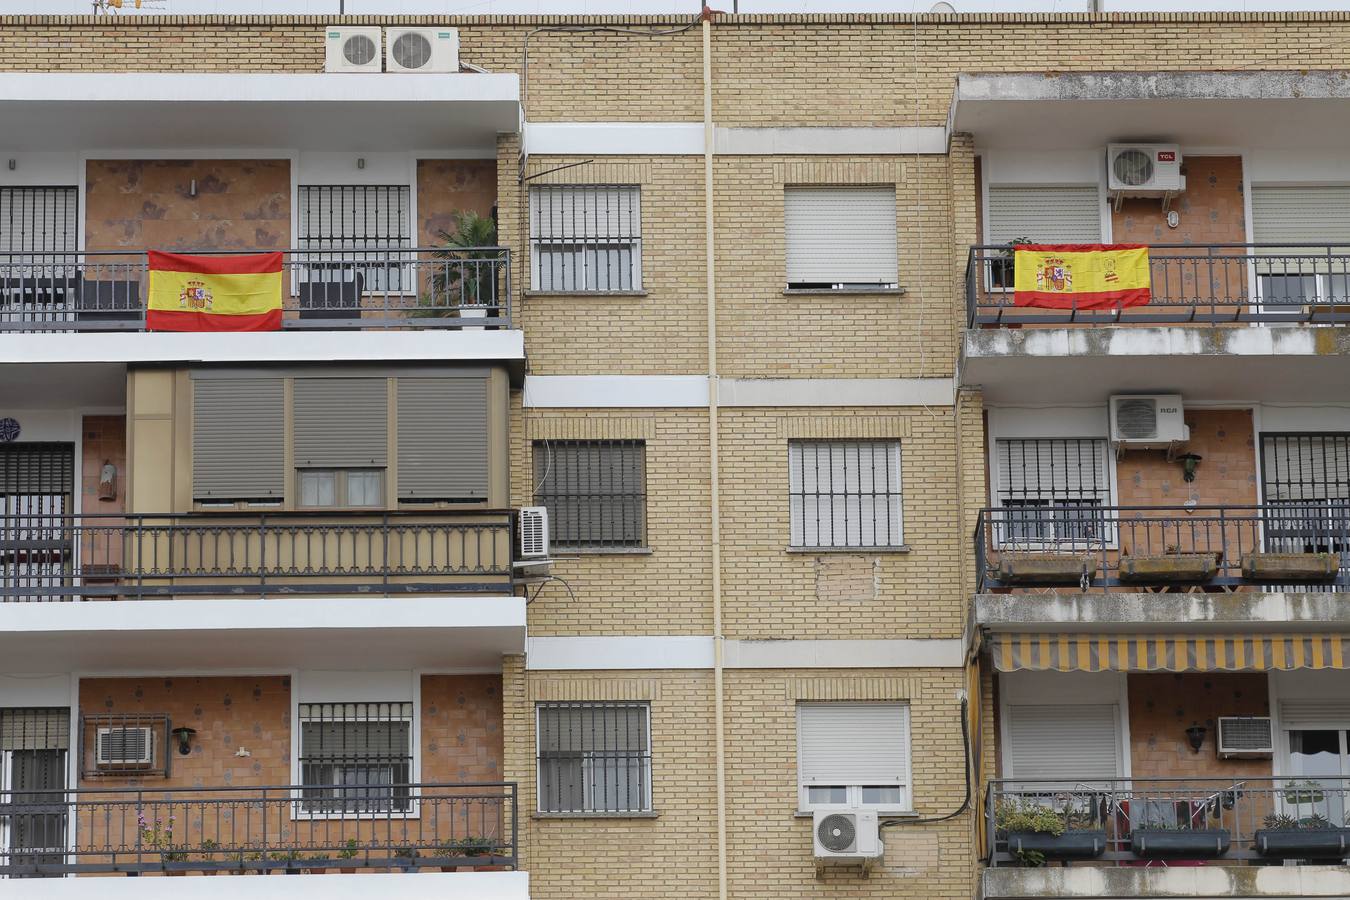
(595, 492)
(355, 757)
(372, 217)
(844, 494)
(38, 219)
(1050, 487)
(585, 238)
(594, 757)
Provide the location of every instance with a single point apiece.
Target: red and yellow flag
(1081, 276)
(214, 293)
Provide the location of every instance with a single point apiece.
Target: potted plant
(1035, 832)
(403, 858)
(1001, 266)
(347, 853)
(288, 859)
(1179, 840)
(464, 280)
(318, 869)
(465, 847)
(1307, 837)
(208, 850)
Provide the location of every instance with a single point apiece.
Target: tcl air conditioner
(1144, 421)
(1245, 737)
(1144, 170)
(846, 836)
(422, 50)
(349, 49)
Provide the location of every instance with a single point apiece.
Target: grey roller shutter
(1315, 715)
(1045, 215)
(238, 436)
(442, 438)
(1071, 743)
(35, 728)
(341, 422)
(840, 235)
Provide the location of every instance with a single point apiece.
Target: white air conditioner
(533, 532)
(851, 835)
(128, 748)
(1144, 170)
(422, 50)
(1141, 421)
(351, 49)
(1245, 737)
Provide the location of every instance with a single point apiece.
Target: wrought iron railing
(1305, 542)
(1191, 283)
(1143, 821)
(256, 829)
(252, 554)
(432, 287)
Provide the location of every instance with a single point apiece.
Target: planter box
(1044, 568)
(1303, 843)
(1281, 567)
(1171, 567)
(1203, 843)
(1069, 845)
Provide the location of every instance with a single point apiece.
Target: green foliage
(456, 278)
(349, 851)
(1286, 822)
(1304, 792)
(469, 846)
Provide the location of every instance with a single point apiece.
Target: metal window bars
(844, 494)
(595, 491)
(594, 757)
(585, 238)
(354, 756)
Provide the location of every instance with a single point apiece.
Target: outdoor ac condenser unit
(1144, 170)
(124, 748)
(1245, 737)
(533, 527)
(422, 50)
(846, 836)
(1141, 421)
(349, 49)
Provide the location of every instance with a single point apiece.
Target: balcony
(258, 830)
(357, 288)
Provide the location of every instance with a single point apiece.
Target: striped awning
(1167, 652)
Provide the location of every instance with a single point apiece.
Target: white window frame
(853, 797)
(577, 244)
(799, 499)
(589, 810)
(1106, 496)
(298, 801)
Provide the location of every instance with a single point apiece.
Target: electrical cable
(965, 804)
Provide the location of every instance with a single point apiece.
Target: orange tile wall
(449, 186)
(461, 728)
(1164, 705)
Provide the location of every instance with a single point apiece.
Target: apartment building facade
(737, 318)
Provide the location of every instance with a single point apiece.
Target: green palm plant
(464, 273)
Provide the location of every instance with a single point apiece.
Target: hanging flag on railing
(214, 293)
(1081, 276)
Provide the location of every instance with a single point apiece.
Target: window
(1050, 489)
(1293, 227)
(595, 492)
(38, 219)
(853, 754)
(1306, 485)
(341, 440)
(840, 238)
(346, 217)
(34, 743)
(594, 757)
(1042, 215)
(844, 494)
(585, 238)
(238, 427)
(355, 757)
(341, 487)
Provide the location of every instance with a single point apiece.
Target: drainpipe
(719, 718)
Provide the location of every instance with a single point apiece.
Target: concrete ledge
(428, 885)
(1071, 610)
(1143, 340)
(1118, 86)
(1203, 881)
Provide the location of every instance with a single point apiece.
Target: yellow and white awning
(1167, 652)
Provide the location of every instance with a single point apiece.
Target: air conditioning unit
(351, 49)
(422, 50)
(125, 748)
(533, 532)
(1141, 421)
(846, 836)
(1245, 737)
(1144, 170)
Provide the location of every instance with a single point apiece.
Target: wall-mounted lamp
(184, 737)
(360, 162)
(13, 164)
(1189, 463)
(192, 188)
(1195, 736)
(107, 481)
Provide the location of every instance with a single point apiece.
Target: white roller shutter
(1318, 715)
(853, 743)
(1285, 216)
(1045, 215)
(840, 235)
(1065, 743)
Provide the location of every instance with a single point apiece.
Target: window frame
(892, 451)
(853, 795)
(336, 254)
(540, 497)
(341, 496)
(582, 247)
(1003, 526)
(835, 286)
(645, 760)
(303, 808)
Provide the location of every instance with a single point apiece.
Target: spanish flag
(214, 293)
(1081, 276)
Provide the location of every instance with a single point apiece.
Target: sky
(475, 7)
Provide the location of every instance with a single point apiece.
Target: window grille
(38, 220)
(1306, 484)
(125, 745)
(594, 757)
(37, 483)
(595, 491)
(1050, 488)
(365, 217)
(844, 494)
(585, 238)
(356, 757)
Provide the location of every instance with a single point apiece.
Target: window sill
(585, 293)
(564, 552)
(881, 812)
(865, 551)
(893, 292)
(651, 814)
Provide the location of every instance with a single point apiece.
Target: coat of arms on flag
(214, 293)
(1081, 276)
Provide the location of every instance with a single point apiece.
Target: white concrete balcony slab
(1129, 883)
(361, 886)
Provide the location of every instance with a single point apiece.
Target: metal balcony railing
(429, 287)
(1211, 284)
(1305, 542)
(398, 827)
(1142, 821)
(253, 554)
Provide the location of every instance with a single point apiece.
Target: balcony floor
(1071, 610)
(1157, 882)
(359, 886)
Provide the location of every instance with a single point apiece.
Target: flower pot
(1069, 845)
(1303, 843)
(347, 870)
(1168, 568)
(1044, 568)
(1197, 843)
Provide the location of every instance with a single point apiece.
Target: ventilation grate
(837, 833)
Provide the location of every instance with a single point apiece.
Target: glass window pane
(365, 487)
(887, 795)
(832, 794)
(318, 488)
